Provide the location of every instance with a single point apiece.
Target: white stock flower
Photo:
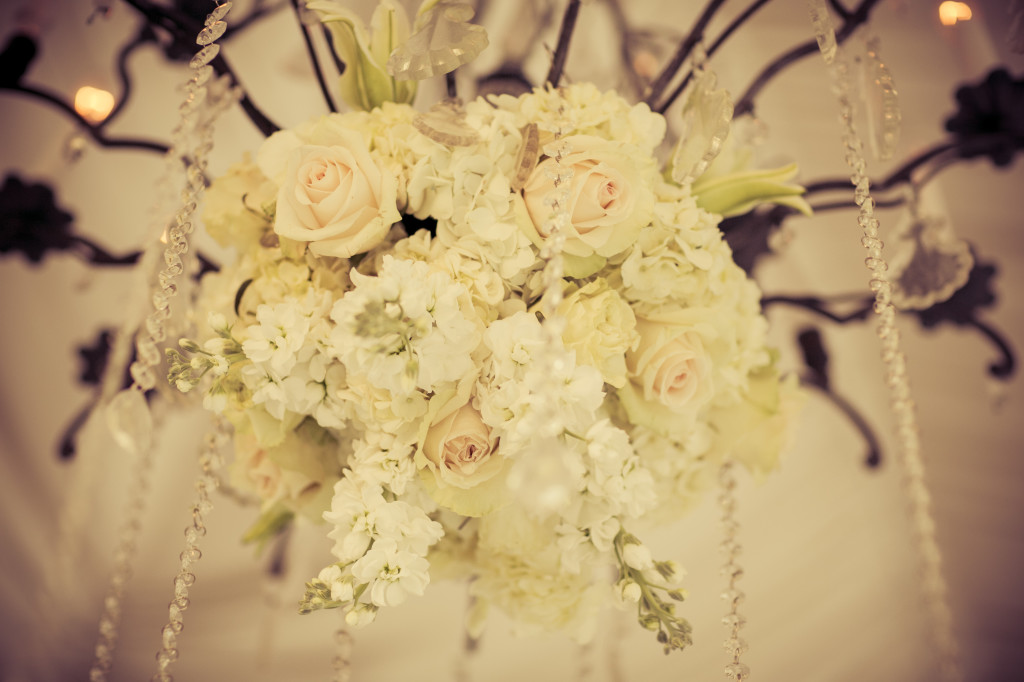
(392, 573)
(405, 328)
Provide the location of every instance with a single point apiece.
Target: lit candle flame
(93, 104)
(951, 12)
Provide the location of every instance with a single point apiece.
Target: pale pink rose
(670, 366)
(460, 449)
(609, 201)
(336, 198)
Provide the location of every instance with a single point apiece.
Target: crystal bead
(142, 376)
(737, 671)
(147, 351)
(204, 56)
(130, 421)
(211, 32)
(735, 646)
(734, 620)
(218, 12)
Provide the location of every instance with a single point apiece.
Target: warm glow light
(951, 12)
(93, 104)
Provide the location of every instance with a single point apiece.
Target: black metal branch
(874, 455)
(451, 87)
(259, 11)
(719, 41)
(625, 53)
(144, 36)
(817, 305)
(745, 104)
(311, 51)
(572, 10)
(849, 203)
(95, 132)
(68, 442)
(839, 9)
(900, 175)
(95, 254)
(669, 72)
(184, 31)
(1005, 366)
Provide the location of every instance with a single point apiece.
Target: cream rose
(669, 366)
(609, 200)
(336, 198)
(600, 328)
(670, 377)
(460, 449)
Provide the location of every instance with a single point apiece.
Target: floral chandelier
(499, 339)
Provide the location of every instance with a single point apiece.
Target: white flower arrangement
(377, 343)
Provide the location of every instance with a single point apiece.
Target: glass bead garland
(933, 583)
(210, 463)
(731, 570)
(128, 413)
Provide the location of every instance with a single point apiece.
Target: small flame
(951, 12)
(93, 104)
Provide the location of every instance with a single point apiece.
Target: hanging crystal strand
(933, 583)
(342, 661)
(585, 667)
(124, 555)
(561, 176)
(541, 477)
(614, 650)
(209, 462)
(734, 620)
(128, 414)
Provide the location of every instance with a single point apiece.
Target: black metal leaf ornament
(30, 221)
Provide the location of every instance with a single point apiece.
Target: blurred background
(831, 566)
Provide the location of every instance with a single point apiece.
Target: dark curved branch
(259, 11)
(183, 30)
(311, 51)
(817, 305)
(900, 175)
(95, 132)
(656, 89)
(1005, 366)
(851, 21)
(94, 254)
(144, 36)
(572, 11)
(874, 455)
(849, 203)
(729, 30)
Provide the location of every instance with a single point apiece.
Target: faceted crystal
(130, 421)
(204, 56)
(212, 31)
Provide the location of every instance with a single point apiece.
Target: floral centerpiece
(381, 350)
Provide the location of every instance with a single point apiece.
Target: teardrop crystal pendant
(443, 41)
(707, 118)
(130, 421)
(881, 103)
(824, 32)
(445, 123)
(527, 157)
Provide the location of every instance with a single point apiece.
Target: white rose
(459, 449)
(600, 327)
(669, 375)
(609, 200)
(336, 198)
